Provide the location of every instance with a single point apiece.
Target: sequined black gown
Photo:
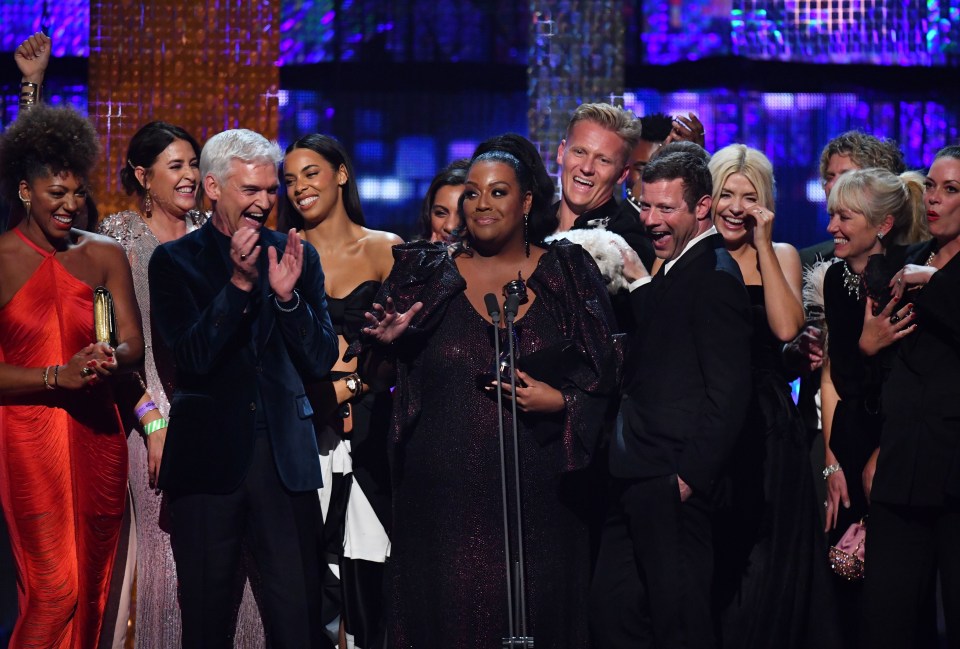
(446, 573)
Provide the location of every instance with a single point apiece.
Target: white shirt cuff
(640, 282)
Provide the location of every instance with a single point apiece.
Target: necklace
(851, 281)
(632, 198)
(933, 253)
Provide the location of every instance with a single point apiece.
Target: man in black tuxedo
(685, 393)
(244, 313)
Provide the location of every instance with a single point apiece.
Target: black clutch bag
(554, 365)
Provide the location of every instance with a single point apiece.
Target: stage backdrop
(205, 66)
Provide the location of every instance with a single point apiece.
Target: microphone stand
(510, 307)
(493, 309)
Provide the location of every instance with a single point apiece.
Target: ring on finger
(86, 371)
(895, 318)
(243, 256)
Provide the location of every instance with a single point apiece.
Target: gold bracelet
(30, 93)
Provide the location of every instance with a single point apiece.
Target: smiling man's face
(593, 161)
(245, 197)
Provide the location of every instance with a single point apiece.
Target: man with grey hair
(243, 311)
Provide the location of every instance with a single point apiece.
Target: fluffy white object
(606, 248)
(813, 285)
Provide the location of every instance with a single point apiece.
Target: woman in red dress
(63, 453)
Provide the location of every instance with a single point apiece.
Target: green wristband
(154, 426)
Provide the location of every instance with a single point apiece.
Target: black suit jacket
(919, 460)
(224, 356)
(687, 379)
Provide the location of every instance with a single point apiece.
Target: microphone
(493, 307)
(510, 306)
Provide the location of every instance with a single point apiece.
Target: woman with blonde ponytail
(874, 214)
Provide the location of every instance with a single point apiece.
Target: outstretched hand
(385, 324)
(285, 272)
(33, 56)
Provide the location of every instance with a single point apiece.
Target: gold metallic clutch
(104, 318)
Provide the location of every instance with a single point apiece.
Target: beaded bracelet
(145, 408)
(284, 309)
(154, 426)
(46, 378)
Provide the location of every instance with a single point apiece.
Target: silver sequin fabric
(157, 608)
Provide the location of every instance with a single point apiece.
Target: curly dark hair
(655, 127)
(453, 175)
(145, 145)
(45, 141)
(865, 151)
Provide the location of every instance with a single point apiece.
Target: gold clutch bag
(104, 318)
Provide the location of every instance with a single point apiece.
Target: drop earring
(526, 238)
(147, 204)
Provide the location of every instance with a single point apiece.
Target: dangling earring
(526, 239)
(25, 201)
(147, 204)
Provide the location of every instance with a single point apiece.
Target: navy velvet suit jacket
(227, 344)
(687, 380)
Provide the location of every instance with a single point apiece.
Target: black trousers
(907, 548)
(654, 571)
(281, 529)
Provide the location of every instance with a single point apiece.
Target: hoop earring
(25, 201)
(526, 239)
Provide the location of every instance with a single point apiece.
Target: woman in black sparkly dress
(447, 580)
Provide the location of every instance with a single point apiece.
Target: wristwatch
(354, 384)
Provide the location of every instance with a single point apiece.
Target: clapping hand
(244, 253)
(285, 272)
